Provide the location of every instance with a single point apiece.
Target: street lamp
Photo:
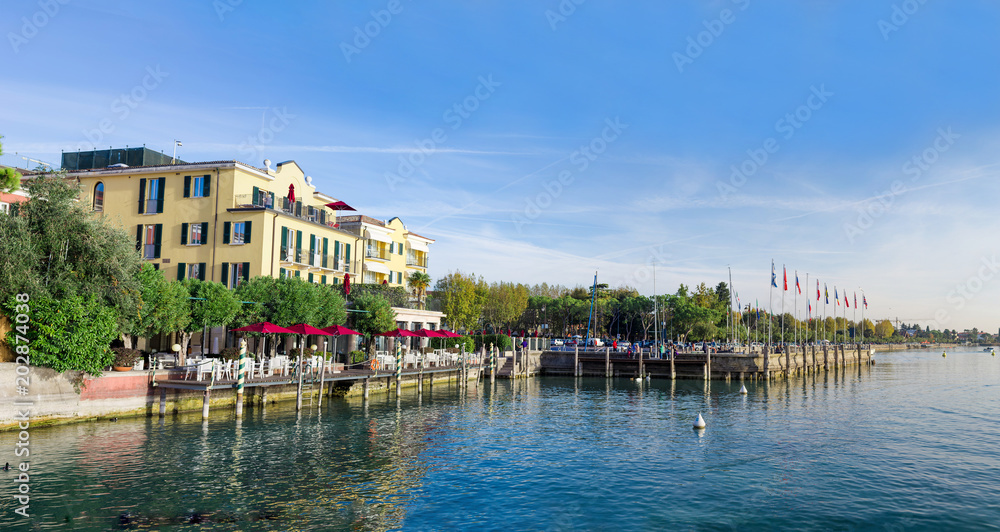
(177, 143)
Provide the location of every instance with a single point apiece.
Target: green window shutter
(180, 271)
(284, 237)
(184, 234)
(246, 232)
(201, 271)
(138, 237)
(142, 195)
(336, 250)
(204, 232)
(392, 247)
(207, 188)
(322, 217)
(326, 243)
(157, 240)
(347, 253)
(310, 277)
(298, 240)
(225, 274)
(298, 274)
(322, 279)
(246, 271)
(187, 186)
(256, 195)
(272, 199)
(162, 191)
(225, 232)
(281, 273)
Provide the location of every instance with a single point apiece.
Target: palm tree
(419, 281)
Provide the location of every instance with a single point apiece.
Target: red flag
(855, 300)
(797, 287)
(784, 273)
(817, 290)
(846, 302)
(864, 300)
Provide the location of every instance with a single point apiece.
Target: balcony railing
(247, 200)
(416, 262)
(317, 215)
(374, 253)
(313, 259)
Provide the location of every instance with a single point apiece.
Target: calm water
(909, 444)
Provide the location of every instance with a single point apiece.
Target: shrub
(71, 333)
(229, 353)
(294, 352)
(498, 340)
(449, 343)
(125, 357)
(357, 357)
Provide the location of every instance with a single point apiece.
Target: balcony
(247, 200)
(297, 258)
(376, 253)
(264, 200)
(416, 262)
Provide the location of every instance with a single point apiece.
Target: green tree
(375, 316)
(210, 304)
(419, 281)
(10, 180)
(884, 329)
(163, 306)
(504, 304)
(70, 333)
(461, 299)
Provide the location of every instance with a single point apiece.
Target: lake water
(908, 444)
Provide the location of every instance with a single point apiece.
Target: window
(194, 234)
(234, 273)
(99, 197)
(197, 186)
(151, 195)
(147, 240)
(236, 233)
(193, 271)
(4, 207)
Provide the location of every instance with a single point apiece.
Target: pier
(767, 364)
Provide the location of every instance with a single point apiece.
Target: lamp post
(173, 159)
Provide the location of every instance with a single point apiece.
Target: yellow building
(226, 221)
(391, 251)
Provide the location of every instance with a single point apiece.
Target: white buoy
(700, 422)
(743, 390)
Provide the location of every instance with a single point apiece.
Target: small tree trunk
(182, 355)
(127, 340)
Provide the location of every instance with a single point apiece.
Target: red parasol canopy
(427, 333)
(448, 334)
(397, 333)
(304, 328)
(340, 206)
(264, 327)
(291, 193)
(385, 281)
(347, 284)
(338, 330)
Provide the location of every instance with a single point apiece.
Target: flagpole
(784, 286)
(795, 312)
(808, 313)
(865, 303)
(826, 301)
(770, 303)
(855, 317)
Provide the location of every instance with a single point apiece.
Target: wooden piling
(576, 360)
(204, 405)
(826, 363)
(298, 391)
(365, 389)
(322, 375)
(607, 362)
(163, 402)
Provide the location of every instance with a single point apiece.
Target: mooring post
(204, 405)
(322, 375)
(365, 388)
(576, 360)
(607, 362)
(241, 371)
(399, 368)
(493, 373)
(767, 358)
(465, 368)
(163, 402)
(298, 391)
(673, 353)
(826, 362)
(263, 396)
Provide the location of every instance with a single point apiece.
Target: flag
(864, 300)
(810, 307)
(836, 298)
(784, 274)
(846, 302)
(817, 289)
(826, 293)
(797, 287)
(855, 300)
(774, 277)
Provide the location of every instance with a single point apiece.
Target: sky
(853, 142)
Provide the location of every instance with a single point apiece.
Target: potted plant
(124, 358)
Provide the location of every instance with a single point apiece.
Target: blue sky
(544, 140)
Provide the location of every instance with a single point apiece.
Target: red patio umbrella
(448, 334)
(265, 327)
(338, 330)
(385, 281)
(427, 333)
(398, 333)
(347, 284)
(291, 193)
(338, 206)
